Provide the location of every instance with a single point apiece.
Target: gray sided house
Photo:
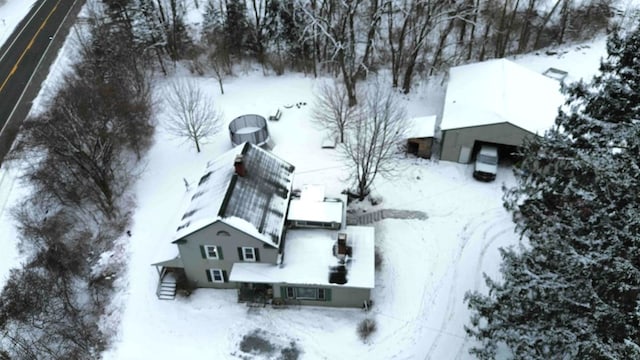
(320, 267)
(209, 254)
(495, 102)
(235, 214)
(235, 234)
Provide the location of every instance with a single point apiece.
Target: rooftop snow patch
(498, 91)
(254, 203)
(421, 127)
(308, 258)
(321, 211)
(314, 206)
(312, 192)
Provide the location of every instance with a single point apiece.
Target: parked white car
(486, 165)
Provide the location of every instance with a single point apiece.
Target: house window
(223, 233)
(211, 251)
(307, 293)
(304, 293)
(248, 254)
(216, 275)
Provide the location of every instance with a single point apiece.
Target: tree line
(350, 39)
(79, 157)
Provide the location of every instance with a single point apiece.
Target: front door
(465, 155)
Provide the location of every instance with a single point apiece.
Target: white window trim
(215, 250)
(244, 254)
(212, 272)
(293, 292)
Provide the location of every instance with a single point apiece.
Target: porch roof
(173, 263)
(308, 257)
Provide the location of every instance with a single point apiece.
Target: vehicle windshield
(487, 159)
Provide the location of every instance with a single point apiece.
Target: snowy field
(428, 264)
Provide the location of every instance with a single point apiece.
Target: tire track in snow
(478, 274)
(471, 228)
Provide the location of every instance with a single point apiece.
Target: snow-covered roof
(309, 255)
(421, 127)
(498, 91)
(322, 211)
(312, 192)
(255, 203)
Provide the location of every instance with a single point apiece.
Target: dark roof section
(260, 197)
(253, 197)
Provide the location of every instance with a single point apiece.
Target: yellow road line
(24, 52)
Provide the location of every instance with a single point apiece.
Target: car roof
(489, 150)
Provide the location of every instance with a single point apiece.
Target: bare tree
(218, 61)
(337, 25)
(372, 144)
(191, 113)
(331, 110)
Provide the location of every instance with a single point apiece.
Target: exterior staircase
(371, 217)
(166, 287)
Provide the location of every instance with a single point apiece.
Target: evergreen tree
(236, 28)
(572, 290)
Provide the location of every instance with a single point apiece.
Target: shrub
(255, 343)
(366, 328)
(290, 353)
(377, 259)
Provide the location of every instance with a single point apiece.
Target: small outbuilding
(420, 132)
(495, 102)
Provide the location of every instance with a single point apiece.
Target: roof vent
(238, 163)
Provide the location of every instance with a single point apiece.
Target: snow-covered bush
(366, 328)
(378, 260)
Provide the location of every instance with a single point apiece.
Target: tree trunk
(509, 30)
(350, 85)
(487, 29)
(536, 43)
(525, 32)
(500, 32)
(473, 30)
(441, 44)
(397, 54)
(408, 74)
(374, 21)
(564, 20)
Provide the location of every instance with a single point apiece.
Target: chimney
(238, 163)
(342, 243)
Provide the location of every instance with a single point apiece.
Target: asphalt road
(25, 60)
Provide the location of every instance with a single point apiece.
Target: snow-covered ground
(428, 264)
